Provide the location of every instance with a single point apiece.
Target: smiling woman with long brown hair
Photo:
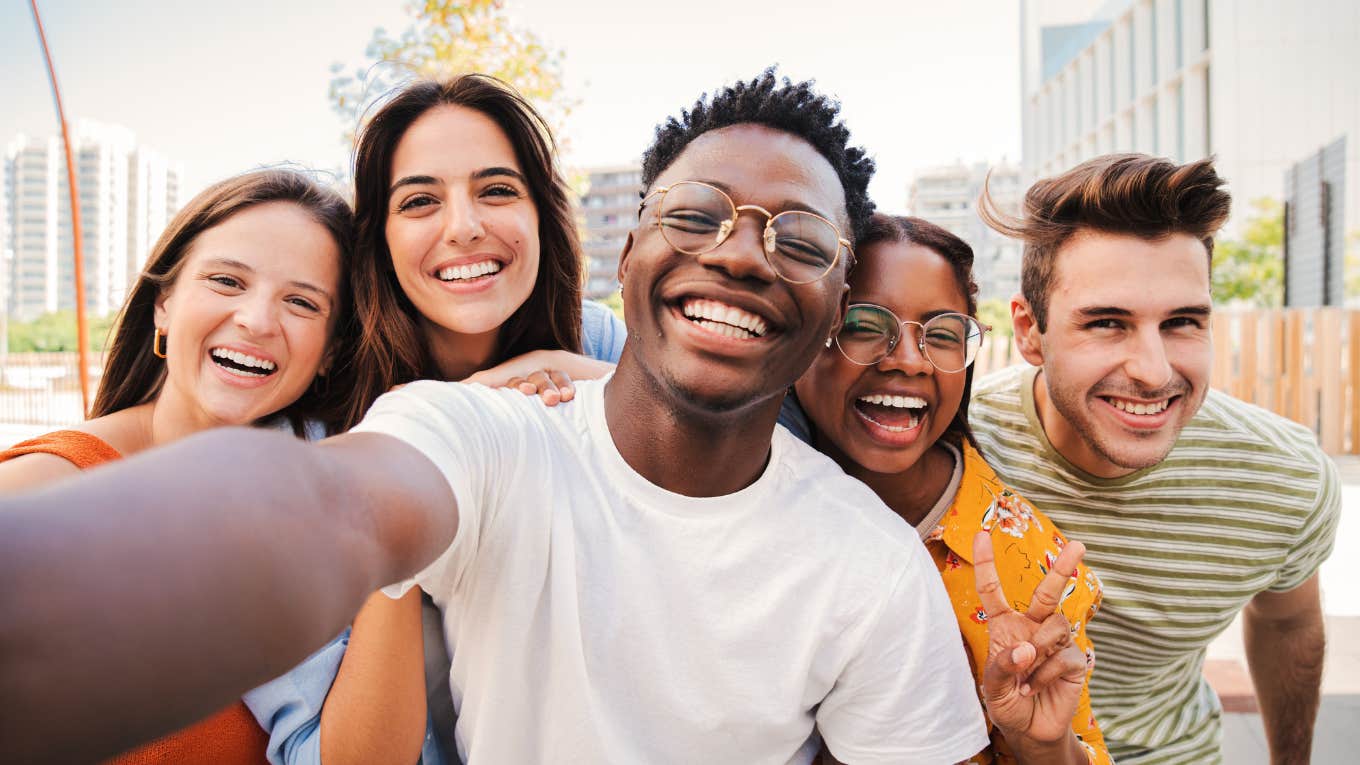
(467, 257)
(240, 317)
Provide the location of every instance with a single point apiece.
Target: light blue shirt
(289, 707)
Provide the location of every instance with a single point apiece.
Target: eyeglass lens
(696, 218)
(950, 341)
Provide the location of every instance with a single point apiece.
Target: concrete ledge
(1231, 681)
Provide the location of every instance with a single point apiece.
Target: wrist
(1066, 749)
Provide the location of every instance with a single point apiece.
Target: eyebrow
(787, 205)
(1095, 312)
(238, 265)
(430, 180)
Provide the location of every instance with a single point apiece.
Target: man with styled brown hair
(1193, 505)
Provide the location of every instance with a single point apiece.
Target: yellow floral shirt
(1026, 545)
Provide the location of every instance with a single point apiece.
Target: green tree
(447, 38)
(997, 313)
(56, 332)
(1250, 270)
(614, 302)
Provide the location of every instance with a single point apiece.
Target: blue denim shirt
(289, 707)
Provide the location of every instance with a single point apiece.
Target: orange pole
(77, 241)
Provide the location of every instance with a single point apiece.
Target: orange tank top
(229, 737)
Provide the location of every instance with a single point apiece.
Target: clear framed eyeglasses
(695, 218)
(949, 341)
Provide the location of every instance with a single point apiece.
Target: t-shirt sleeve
(1317, 535)
(907, 696)
(602, 333)
(289, 706)
(473, 435)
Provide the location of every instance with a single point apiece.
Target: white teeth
(244, 359)
(469, 271)
(712, 314)
(1134, 407)
(900, 402)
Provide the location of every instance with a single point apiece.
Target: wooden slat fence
(1303, 364)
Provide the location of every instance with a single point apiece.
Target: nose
(257, 315)
(742, 253)
(1147, 363)
(462, 221)
(907, 356)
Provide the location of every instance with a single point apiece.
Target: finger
(985, 578)
(1048, 594)
(520, 384)
(563, 382)
(545, 387)
(1005, 671)
(1062, 670)
(1054, 635)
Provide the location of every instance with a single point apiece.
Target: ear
(160, 316)
(1027, 334)
(623, 257)
(845, 309)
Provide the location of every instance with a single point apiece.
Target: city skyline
(921, 85)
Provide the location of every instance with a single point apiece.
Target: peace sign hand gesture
(1033, 680)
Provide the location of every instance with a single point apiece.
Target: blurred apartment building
(1259, 84)
(947, 196)
(128, 194)
(609, 209)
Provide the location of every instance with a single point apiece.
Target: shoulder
(602, 333)
(33, 469)
(842, 511)
(1230, 434)
(1002, 385)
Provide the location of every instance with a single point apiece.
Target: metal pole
(77, 241)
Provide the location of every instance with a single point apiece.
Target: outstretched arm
(141, 596)
(1283, 632)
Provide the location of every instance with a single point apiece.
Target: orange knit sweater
(229, 737)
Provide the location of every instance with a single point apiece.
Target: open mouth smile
(891, 412)
(469, 272)
(242, 364)
(723, 319)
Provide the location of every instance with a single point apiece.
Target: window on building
(1133, 60)
(1179, 23)
(1205, 25)
(1152, 31)
(1180, 122)
(1156, 125)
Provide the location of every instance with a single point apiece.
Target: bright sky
(223, 87)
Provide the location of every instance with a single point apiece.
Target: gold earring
(157, 347)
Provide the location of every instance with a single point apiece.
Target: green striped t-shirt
(1245, 502)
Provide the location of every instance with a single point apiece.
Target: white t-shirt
(594, 617)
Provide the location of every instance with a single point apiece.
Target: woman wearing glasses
(887, 400)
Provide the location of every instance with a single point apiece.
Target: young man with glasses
(1194, 506)
(644, 574)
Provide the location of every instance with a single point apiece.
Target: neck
(914, 491)
(170, 419)
(1066, 440)
(457, 355)
(682, 450)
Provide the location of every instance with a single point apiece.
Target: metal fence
(1303, 364)
(43, 388)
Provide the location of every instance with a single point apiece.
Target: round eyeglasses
(949, 341)
(696, 218)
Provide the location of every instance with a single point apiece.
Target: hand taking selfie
(1034, 675)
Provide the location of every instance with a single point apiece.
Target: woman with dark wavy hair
(888, 401)
(467, 257)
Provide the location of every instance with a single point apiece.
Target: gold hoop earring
(158, 348)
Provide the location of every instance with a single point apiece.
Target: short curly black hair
(776, 102)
